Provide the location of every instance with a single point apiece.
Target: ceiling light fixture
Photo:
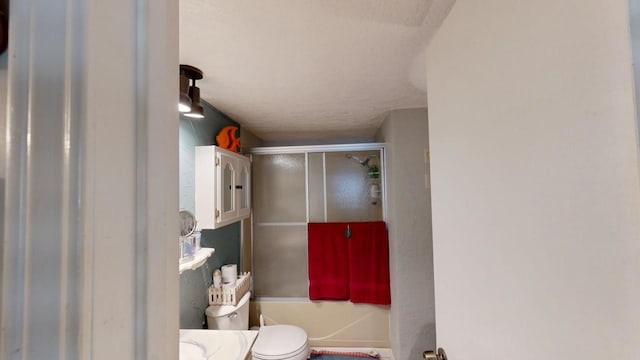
(185, 101)
(197, 111)
(190, 95)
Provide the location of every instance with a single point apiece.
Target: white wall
(412, 315)
(634, 15)
(536, 193)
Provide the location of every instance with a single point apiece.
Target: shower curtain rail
(315, 148)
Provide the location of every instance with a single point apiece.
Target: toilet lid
(279, 341)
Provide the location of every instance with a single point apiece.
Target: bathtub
(327, 323)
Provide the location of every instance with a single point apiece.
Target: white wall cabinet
(223, 193)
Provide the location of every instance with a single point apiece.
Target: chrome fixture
(435, 355)
(364, 162)
(373, 175)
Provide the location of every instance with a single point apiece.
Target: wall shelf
(199, 258)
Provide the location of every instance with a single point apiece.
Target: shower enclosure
(296, 185)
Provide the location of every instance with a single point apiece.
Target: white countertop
(216, 344)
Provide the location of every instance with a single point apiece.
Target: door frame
(89, 267)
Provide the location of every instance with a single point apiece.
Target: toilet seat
(280, 342)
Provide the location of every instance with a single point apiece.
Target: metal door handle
(431, 355)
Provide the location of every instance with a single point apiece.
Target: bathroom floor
(385, 354)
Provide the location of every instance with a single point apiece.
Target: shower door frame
(306, 150)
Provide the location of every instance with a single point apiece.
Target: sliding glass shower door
(292, 187)
(279, 220)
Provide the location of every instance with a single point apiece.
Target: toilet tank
(229, 317)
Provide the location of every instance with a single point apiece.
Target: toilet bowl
(280, 342)
(274, 342)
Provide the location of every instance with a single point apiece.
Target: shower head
(364, 162)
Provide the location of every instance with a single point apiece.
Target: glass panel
(349, 186)
(316, 187)
(280, 261)
(279, 188)
(280, 250)
(243, 192)
(227, 188)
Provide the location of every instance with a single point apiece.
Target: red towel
(328, 261)
(369, 263)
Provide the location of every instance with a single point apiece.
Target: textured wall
(194, 283)
(410, 243)
(248, 140)
(226, 240)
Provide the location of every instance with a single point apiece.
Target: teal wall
(225, 241)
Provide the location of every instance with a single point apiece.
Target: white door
(535, 185)
(227, 196)
(243, 187)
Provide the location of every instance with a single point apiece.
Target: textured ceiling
(302, 69)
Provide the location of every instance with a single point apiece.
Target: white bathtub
(328, 323)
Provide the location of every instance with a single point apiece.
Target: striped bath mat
(336, 355)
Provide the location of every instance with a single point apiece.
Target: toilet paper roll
(217, 279)
(229, 274)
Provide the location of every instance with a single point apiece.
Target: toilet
(274, 342)
(280, 342)
(229, 317)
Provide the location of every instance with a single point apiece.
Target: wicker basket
(230, 296)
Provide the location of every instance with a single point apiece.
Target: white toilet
(275, 342)
(280, 342)
(229, 317)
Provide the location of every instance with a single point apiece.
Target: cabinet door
(226, 194)
(243, 187)
(206, 187)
